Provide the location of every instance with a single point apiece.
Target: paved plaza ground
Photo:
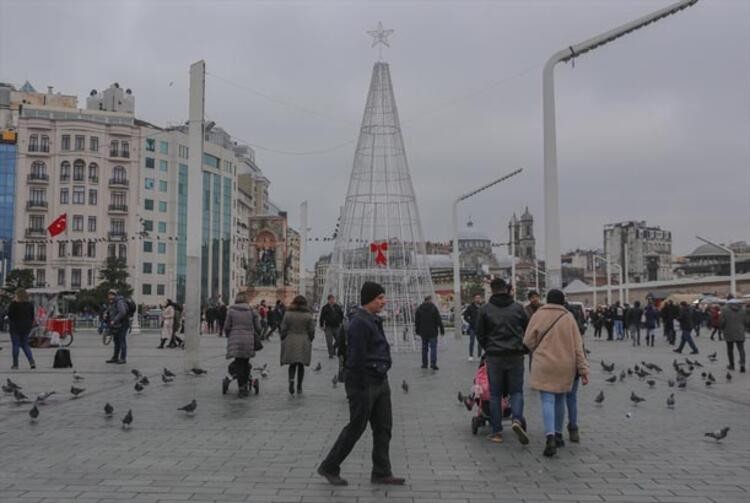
(266, 448)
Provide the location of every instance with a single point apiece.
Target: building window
(163, 165)
(182, 152)
(36, 222)
(93, 173)
(159, 289)
(64, 171)
(80, 143)
(41, 278)
(61, 277)
(118, 227)
(44, 146)
(92, 196)
(164, 147)
(162, 185)
(41, 252)
(150, 145)
(150, 162)
(92, 224)
(29, 252)
(147, 268)
(94, 144)
(61, 249)
(148, 204)
(78, 168)
(39, 197)
(91, 249)
(148, 246)
(64, 196)
(65, 143)
(161, 248)
(125, 152)
(111, 251)
(163, 206)
(148, 184)
(89, 277)
(148, 225)
(119, 174)
(38, 170)
(122, 251)
(79, 195)
(146, 289)
(34, 143)
(119, 199)
(114, 148)
(75, 278)
(162, 227)
(77, 223)
(161, 268)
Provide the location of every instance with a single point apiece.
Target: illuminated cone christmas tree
(380, 236)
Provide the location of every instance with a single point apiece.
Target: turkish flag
(59, 225)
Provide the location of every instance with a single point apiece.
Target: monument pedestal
(271, 294)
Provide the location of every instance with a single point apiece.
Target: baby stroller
(480, 396)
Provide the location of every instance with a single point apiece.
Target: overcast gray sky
(655, 126)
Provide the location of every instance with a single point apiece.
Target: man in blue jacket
(367, 363)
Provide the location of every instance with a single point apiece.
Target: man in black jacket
(427, 323)
(685, 318)
(367, 363)
(331, 317)
(633, 322)
(471, 314)
(119, 324)
(500, 329)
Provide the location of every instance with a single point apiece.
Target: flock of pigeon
(683, 371)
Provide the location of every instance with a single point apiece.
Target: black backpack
(132, 308)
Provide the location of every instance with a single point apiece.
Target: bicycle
(106, 336)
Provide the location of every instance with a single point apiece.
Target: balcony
(118, 182)
(38, 149)
(36, 232)
(38, 178)
(94, 179)
(64, 178)
(117, 236)
(36, 205)
(118, 208)
(123, 154)
(36, 259)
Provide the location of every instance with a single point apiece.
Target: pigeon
(682, 384)
(77, 377)
(683, 373)
(168, 372)
(264, 374)
(127, 420)
(335, 380)
(587, 351)
(405, 386)
(608, 367)
(136, 373)
(670, 382)
(108, 409)
(265, 366)
(144, 380)
(42, 397)
(34, 413)
(189, 408)
(642, 373)
(670, 401)
(711, 377)
(166, 379)
(691, 368)
(651, 383)
(138, 387)
(198, 371)
(729, 376)
(318, 367)
(19, 396)
(622, 375)
(630, 371)
(636, 368)
(687, 360)
(703, 375)
(635, 398)
(712, 356)
(709, 383)
(718, 435)
(12, 385)
(611, 379)
(656, 368)
(697, 364)
(7, 389)
(76, 391)
(461, 397)
(600, 397)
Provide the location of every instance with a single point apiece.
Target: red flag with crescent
(58, 226)
(379, 249)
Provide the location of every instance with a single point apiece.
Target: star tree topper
(380, 36)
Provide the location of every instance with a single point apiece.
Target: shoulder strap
(550, 328)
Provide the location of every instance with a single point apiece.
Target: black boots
(291, 386)
(161, 346)
(550, 449)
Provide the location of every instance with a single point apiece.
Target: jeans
(553, 412)
(571, 400)
(504, 378)
(740, 349)
(472, 340)
(650, 336)
(429, 343)
(371, 403)
(619, 330)
(20, 341)
(330, 338)
(119, 339)
(687, 338)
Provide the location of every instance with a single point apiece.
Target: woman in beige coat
(558, 359)
(167, 324)
(297, 331)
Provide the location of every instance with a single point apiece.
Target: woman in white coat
(167, 324)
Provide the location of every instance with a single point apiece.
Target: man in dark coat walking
(427, 323)
(331, 317)
(367, 363)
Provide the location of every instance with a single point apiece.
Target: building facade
(521, 233)
(649, 250)
(708, 260)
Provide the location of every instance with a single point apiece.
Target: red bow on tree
(379, 248)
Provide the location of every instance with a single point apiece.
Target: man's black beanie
(370, 290)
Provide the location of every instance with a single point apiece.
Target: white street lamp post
(551, 187)
(732, 272)
(626, 265)
(609, 277)
(456, 264)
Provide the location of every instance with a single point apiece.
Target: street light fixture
(456, 264)
(551, 186)
(732, 272)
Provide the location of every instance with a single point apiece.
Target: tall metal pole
(536, 276)
(732, 272)
(551, 188)
(192, 308)
(626, 273)
(456, 275)
(513, 261)
(302, 249)
(594, 288)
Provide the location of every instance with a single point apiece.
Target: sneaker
(331, 478)
(520, 432)
(730, 367)
(14, 367)
(225, 385)
(550, 449)
(496, 438)
(559, 442)
(389, 480)
(434, 367)
(32, 365)
(471, 358)
(677, 351)
(122, 362)
(742, 369)
(424, 366)
(112, 360)
(573, 434)
(694, 352)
